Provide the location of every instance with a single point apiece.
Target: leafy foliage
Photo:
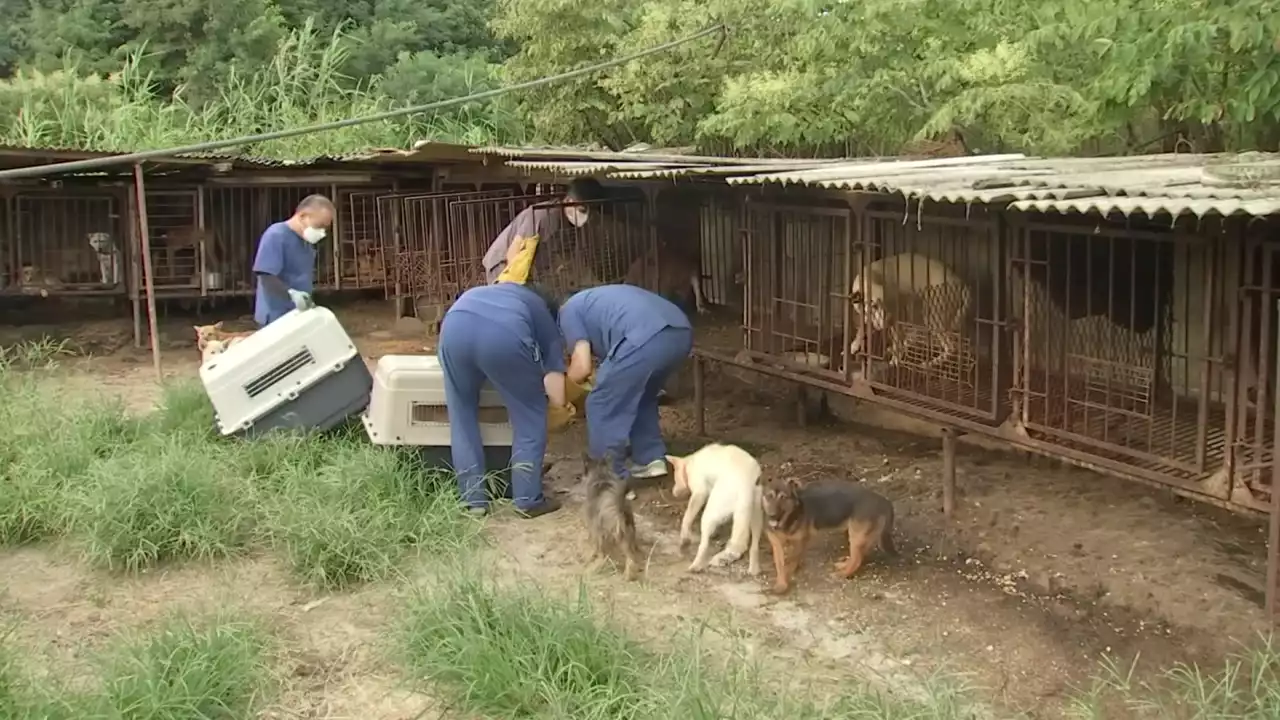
(795, 77)
(1054, 76)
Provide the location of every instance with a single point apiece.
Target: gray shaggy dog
(611, 525)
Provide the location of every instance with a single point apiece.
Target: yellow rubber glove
(559, 418)
(518, 267)
(576, 394)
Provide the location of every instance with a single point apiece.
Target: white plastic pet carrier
(407, 406)
(300, 372)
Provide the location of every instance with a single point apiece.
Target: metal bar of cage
(1104, 366)
(67, 242)
(425, 267)
(941, 342)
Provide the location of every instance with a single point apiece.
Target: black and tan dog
(793, 512)
(611, 524)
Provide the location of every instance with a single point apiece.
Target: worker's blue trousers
(471, 350)
(622, 408)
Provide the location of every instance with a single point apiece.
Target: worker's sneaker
(546, 507)
(477, 511)
(655, 469)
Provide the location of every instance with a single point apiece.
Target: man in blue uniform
(286, 261)
(639, 338)
(541, 223)
(506, 334)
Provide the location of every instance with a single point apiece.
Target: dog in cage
(672, 275)
(104, 246)
(924, 287)
(180, 251)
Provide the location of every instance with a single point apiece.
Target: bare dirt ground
(1042, 571)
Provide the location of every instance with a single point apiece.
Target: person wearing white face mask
(285, 264)
(538, 224)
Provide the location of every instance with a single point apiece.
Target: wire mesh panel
(1252, 425)
(1113, 352)
(928, 324)
(177, 240)
(428, 268)
(570, 258)
(66, 242)
(361, 257)
(797, 274)
(721, 226)
(235, 218)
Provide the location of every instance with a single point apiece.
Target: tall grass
(301, 85)
(182, 670)
(132, 492)
(504, 652)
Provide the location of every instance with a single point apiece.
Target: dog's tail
(886, 534)
(616, 518)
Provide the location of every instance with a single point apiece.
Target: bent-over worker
(506, 334)
(539, 224)
(639, 338)
(285, 264)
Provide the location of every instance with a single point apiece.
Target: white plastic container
(407, 406)
(301, 372)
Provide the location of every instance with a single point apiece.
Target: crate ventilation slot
(284, 369)
(426, 413)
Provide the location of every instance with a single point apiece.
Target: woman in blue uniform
(505, 334)
(639, 338)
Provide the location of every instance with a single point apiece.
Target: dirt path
(1042, 571)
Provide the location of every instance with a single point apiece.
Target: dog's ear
(793, 485)
(674, 461)
(197, 328)
(217, 325)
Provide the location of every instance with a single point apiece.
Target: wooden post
(699, 397)
(144, 245)
(1273, 541)
(949, 437)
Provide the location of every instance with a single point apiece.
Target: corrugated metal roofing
(579, 155)
(1197, 184)
(1152, 184)
(611, 169)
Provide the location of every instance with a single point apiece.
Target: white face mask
(577, 215)
(313, 235)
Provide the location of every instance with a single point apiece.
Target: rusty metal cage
(429, 269)
(571, 258)
(797, 272)
(1251, 421)
(720, 232)
(233, 222)
(1113, 355)
(929, 329)
(358, 242)
(66, 242)
(178, 243)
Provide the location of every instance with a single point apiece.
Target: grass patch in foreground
(521, 653)
(1247, 687)
(181, 671)
(131, 492)
(185, 670)
(351, 518)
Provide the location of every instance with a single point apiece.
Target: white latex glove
(301, 300)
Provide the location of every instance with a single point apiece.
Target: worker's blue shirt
(283, 253)
(608, 315)
(518, 310)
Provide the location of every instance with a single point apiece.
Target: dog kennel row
(1141, 348)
